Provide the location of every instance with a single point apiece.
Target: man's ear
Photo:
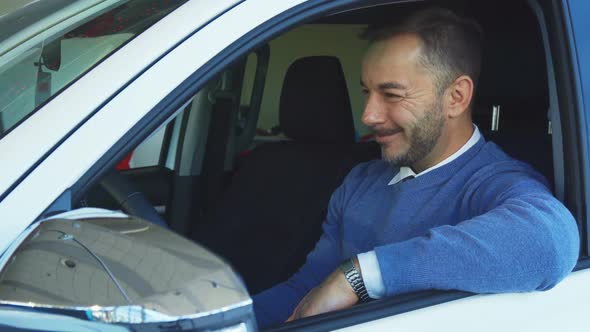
(459, 95)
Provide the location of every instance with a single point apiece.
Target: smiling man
(443, 209)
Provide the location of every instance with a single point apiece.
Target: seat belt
(212, 171)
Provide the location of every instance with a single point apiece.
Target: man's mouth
(382, 136)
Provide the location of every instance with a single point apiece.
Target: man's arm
(527, 240)
(334, 293)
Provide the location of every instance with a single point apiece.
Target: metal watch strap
(355, 280)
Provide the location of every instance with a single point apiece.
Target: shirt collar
(405, 171)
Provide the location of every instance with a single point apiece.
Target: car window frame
(167, 107)
(576, 147)
(579, 73)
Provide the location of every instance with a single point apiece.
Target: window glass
(31, 76)
(148, 152)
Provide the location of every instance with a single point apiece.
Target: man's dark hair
(451, 45)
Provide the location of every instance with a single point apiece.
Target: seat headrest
(510, 113)
(314, 105)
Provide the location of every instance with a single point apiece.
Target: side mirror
(51, 55)
(123, 271)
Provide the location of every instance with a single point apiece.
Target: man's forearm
(527, 243)
(335, 293)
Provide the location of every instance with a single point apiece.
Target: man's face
(402, 107)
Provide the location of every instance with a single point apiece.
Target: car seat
(270, 216)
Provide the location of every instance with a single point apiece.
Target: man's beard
(425, 133)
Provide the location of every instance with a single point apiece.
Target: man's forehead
(408, 43)
(400, 51)
(395, 56)
(393, 64)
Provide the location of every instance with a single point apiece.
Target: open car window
(226, 183)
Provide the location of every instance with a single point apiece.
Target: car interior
(246, 168)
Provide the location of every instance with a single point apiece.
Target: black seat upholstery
(314, 106)
(521, 130)
(270, 216)
(514, 79)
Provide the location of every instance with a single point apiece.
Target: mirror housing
(124, 271)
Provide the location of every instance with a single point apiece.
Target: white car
(210, 111)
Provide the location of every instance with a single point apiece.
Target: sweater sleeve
(276, 304)
(521, 239)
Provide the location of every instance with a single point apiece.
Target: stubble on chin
(421, 141)
(395, 160)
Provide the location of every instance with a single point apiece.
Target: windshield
(41, 53)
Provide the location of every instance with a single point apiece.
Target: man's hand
(334, 293)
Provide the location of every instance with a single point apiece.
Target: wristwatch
(355, 280)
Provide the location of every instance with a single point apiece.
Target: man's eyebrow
(392, 85)
(387, 85)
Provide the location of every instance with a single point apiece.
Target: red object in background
(102, 25)
(368, 138)
(124, 164)
(245, 153)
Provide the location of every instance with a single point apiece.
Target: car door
(161, 90)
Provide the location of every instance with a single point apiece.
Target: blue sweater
(482, 223)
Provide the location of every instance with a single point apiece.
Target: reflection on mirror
(121, 270)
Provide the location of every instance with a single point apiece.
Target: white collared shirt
(370, 270)
(406, 171)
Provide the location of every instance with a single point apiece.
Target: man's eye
(365, 91)
(392, 96)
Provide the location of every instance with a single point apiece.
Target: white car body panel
(559, 309)
(38, 321)
(57, 118)
(539, 311)
(122, 112)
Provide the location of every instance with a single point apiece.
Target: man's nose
(373, 113)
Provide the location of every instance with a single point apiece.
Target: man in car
(443, 209)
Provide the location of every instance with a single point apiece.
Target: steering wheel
(129, 198)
